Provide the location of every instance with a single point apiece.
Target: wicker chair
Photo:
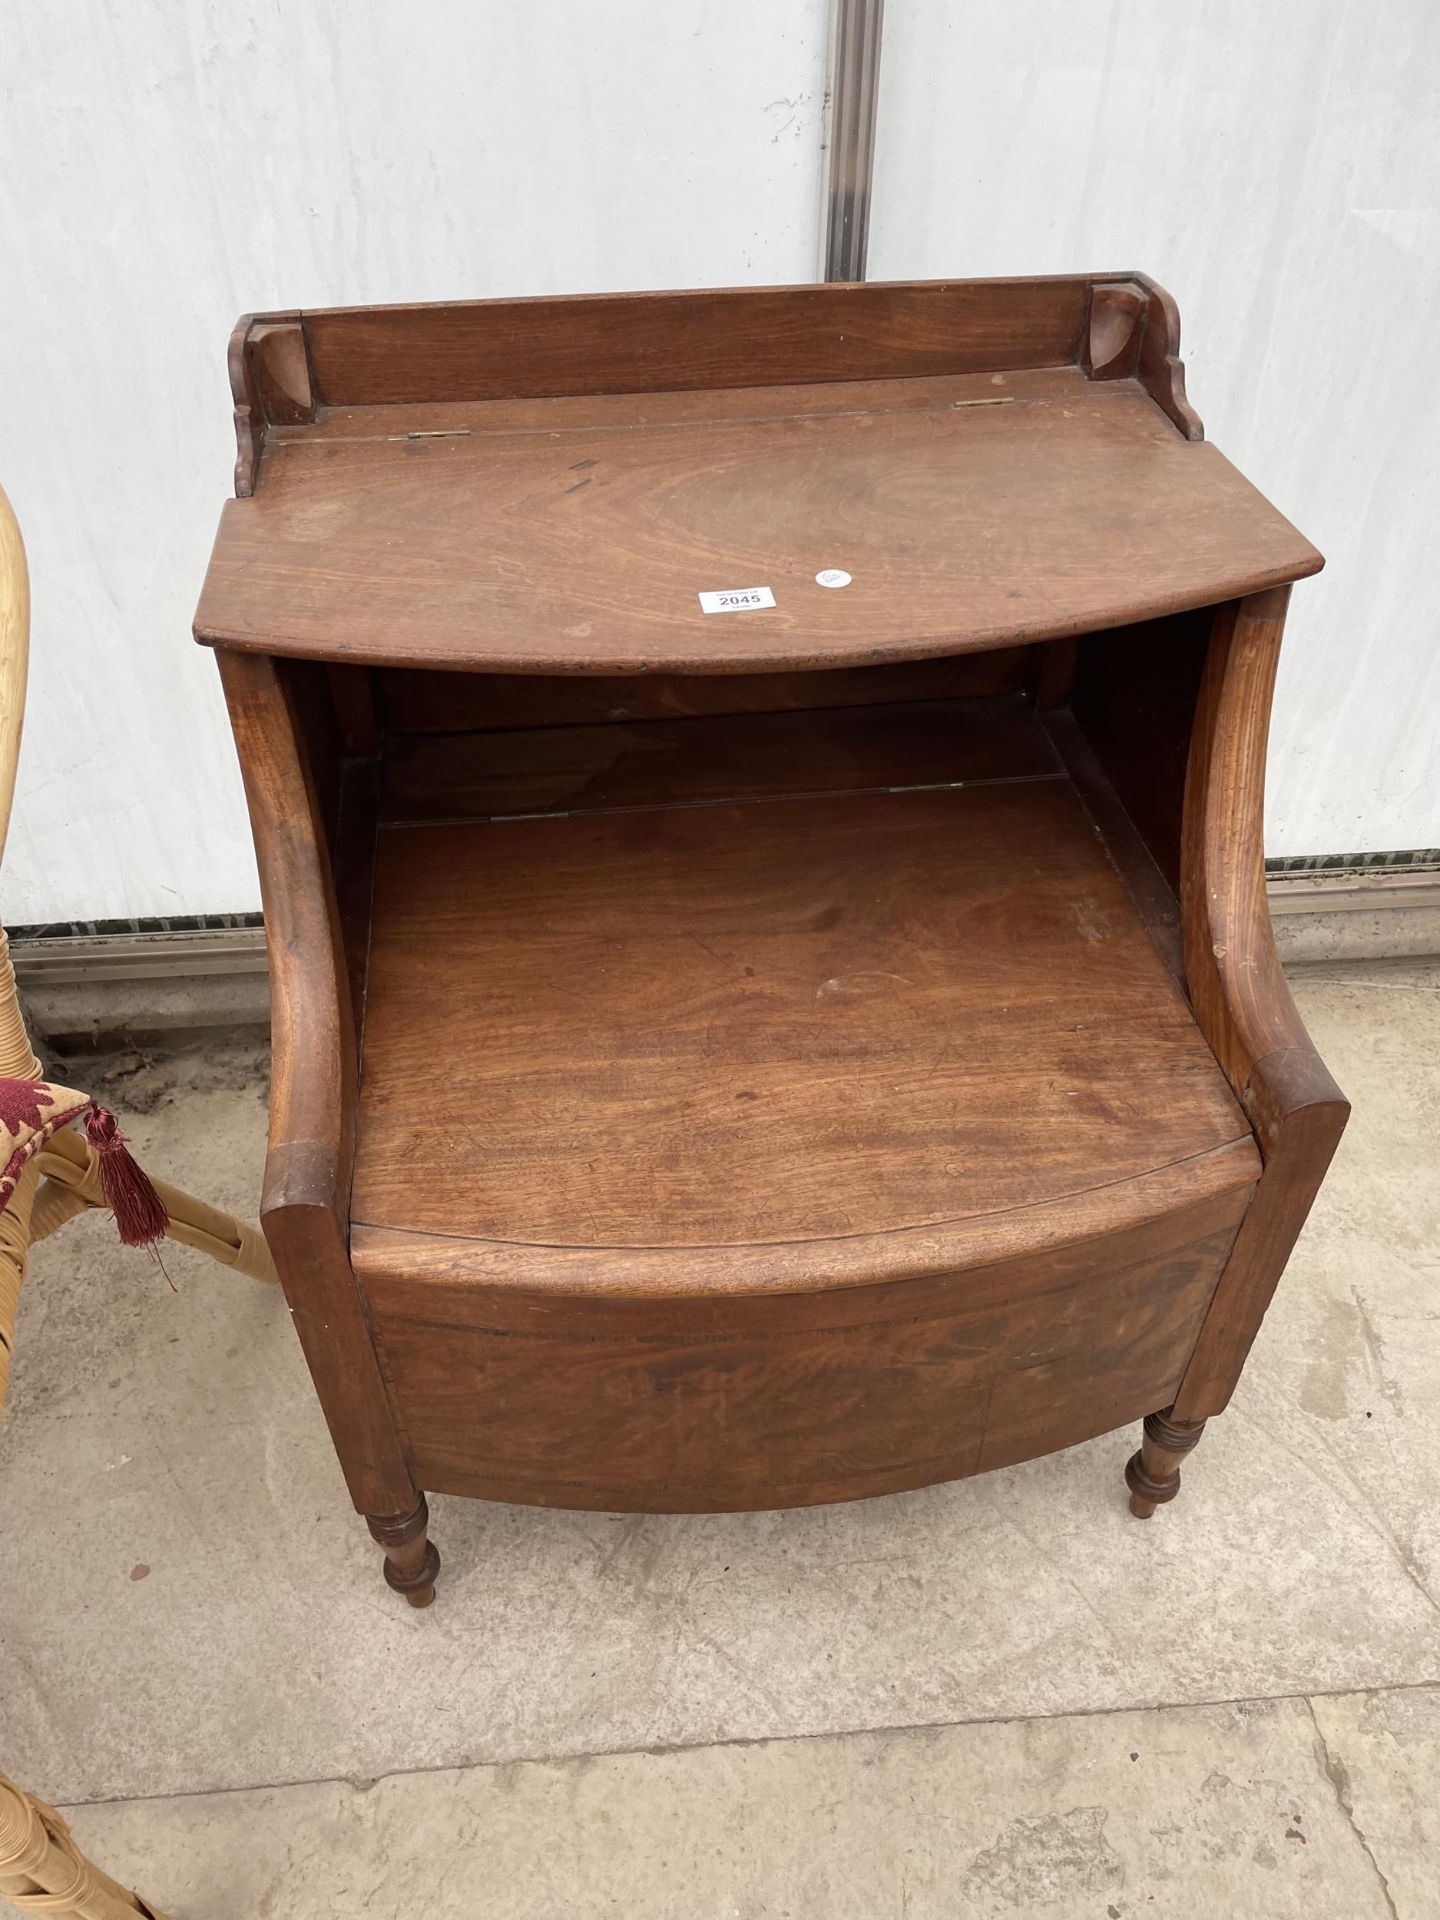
(41, 1868)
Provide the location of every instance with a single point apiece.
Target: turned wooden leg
(411, 1561)
(1153, 1474)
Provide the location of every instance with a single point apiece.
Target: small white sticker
(832, 577)
(736, 600)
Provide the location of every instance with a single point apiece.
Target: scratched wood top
(573, 534)
(796, 1019)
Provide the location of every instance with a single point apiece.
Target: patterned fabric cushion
(30, 1111)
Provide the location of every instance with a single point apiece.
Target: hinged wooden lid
(552, 485)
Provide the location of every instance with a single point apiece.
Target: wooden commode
(785, 1053)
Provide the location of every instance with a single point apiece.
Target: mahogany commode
(744, 1059)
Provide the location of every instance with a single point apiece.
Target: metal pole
(854, 86)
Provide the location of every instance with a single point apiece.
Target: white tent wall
(166, 166)
(1278, 169)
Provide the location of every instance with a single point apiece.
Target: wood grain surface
(582, 548)
(1239, 991)
(780, 1021)
(422, 700)
(688, 762)
(709, 337)
(304, 1207)
(781, 1399)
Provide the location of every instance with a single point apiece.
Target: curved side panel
(304, 1208)
(1238, 988)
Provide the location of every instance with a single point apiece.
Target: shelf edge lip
(909, 1252)
(797, 657)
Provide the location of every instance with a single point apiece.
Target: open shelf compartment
(736, 980)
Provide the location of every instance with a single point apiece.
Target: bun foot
(411, 1559)
(1153, 1474)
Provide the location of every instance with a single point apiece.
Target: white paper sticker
(832, 577)
(736, 599)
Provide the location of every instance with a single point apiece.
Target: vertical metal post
(854, 87)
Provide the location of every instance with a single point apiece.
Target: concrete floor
(1002, 1697)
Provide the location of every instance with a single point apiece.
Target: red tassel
(128, 1191)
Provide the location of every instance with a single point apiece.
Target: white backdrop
(168, 164)
(1277, 167)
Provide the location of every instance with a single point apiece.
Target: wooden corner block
(1114, 327)
(271, 385)
(282, 369)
